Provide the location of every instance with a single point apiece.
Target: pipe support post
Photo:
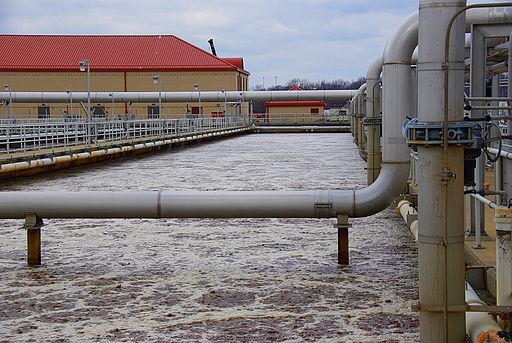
(343, 251)
(33, 224)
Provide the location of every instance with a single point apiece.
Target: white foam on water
(240, 280)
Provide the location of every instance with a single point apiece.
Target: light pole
(7, 88)
(112, 110)
(225, 103)
(70, 112)
(85, 66)
(198, 90)
(156, 79)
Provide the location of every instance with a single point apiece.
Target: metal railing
(297, 119)
(16, 136)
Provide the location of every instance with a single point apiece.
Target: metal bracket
(417, 133)
(32, 221)
(447, 175)
(372, 121)
(323, 203)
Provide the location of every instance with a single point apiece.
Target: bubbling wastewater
(189, 280)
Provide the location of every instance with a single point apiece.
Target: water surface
(240, 280)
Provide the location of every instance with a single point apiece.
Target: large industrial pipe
(210, 204)
(360, 116)
(440, 194)
(148, 97)
(480, 326)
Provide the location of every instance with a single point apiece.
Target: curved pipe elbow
(376, 197)
(373, 72)
(402, 43)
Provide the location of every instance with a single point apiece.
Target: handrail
(20, 137)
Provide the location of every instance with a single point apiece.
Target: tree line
(312, 85)
(305, 84)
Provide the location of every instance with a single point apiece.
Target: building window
(315, 111)
(195, 110)
(98, 112)
(43, 112)
(153, 112)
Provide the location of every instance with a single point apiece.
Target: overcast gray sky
(312, 39)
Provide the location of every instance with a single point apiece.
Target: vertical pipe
(441, 196)
(498, 180)
(495, 92)
(477, 89)
(354, 118)
(372, 112)
(352, 121)
(360, 116)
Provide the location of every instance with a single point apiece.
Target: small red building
(297, 111)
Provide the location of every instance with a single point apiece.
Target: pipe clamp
(323, 204)
(417, 133)
(437, 240)
(372, 121)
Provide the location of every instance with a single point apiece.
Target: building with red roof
(117, 63)
(296, 111)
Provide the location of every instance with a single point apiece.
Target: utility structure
(85, 66)
(7, 88)
(157, 80)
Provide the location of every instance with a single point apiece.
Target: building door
(43, 112)
(153, 112)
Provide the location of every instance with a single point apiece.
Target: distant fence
(32, 134)
(298, 119)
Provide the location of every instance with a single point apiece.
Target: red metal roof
(106, 53)
(297, 103)
(236, 61)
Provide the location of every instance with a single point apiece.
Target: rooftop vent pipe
(212, 46)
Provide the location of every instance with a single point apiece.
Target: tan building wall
(119, 82)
